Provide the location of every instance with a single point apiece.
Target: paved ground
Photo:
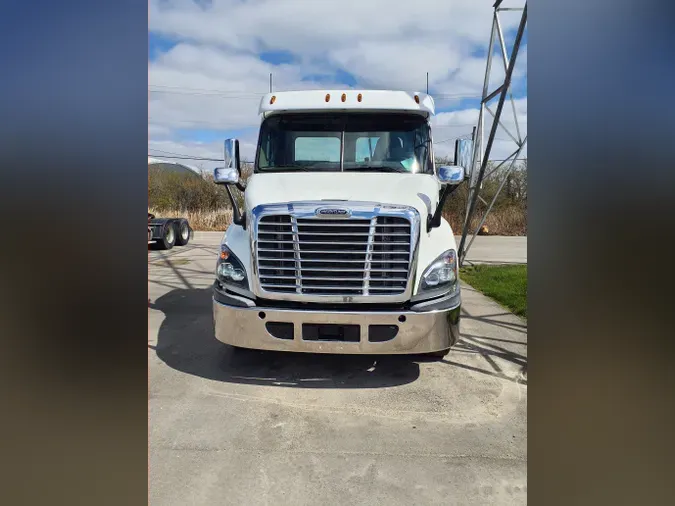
(274, 428)
(496, 250)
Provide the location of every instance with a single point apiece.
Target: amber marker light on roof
(273, 99)
(344, 97)
(417, 99)
(359, 97)
(327, 97)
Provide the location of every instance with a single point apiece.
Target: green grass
(507, 284)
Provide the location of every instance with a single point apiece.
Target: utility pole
(270, 82)
(481, 152)
(427, 83)
(469, 170)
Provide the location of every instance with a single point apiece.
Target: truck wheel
(439, 354)
(168, 236)
(182, 232)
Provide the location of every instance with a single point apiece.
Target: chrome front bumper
(420, 332)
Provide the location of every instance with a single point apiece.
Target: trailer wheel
(168, 236)
(182, 232)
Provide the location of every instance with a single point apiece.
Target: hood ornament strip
(333, 212)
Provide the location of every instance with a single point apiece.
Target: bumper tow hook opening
(401, 318)
(261, 315)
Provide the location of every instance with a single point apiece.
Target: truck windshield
(375, 142)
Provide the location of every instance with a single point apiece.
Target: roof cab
(347, 100)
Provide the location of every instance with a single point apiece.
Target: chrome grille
(333, 256)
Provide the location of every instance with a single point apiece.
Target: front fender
(433, 244)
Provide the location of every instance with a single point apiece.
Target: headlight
(441, 277)
(229, 269)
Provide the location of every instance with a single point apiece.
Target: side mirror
(232, 170)
(224, 175)
(450, 177)
(232, 154)
(231, 175)
(451, 174)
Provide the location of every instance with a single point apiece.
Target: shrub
(188, 192)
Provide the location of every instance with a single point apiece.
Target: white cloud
(181, 78)
(398, 64)
(383, 44)
(454, 124)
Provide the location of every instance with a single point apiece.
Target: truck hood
(420, 191)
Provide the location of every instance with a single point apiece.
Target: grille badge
(337, 212)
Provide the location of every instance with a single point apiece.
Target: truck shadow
(186, 342)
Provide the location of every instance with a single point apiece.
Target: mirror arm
(237, 218)
(434, 221)
(241, 186)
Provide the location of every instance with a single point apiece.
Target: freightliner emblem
(334, 212)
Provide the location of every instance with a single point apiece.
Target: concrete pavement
(496, 250)
(273, 428)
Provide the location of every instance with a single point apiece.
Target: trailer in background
(165, 233)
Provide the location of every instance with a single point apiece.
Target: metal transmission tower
(481, 147)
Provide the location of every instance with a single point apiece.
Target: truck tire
(439, 354)
(168, 236)
(150, 217)
(182, 229)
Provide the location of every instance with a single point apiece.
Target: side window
(263, 153)
(365, 147)
(317, 149)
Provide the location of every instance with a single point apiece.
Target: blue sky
(158, 44)
(209, 63)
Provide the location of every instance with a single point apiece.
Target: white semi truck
(340, 246)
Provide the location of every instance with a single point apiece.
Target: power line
(258, 96)
(202, 89)
(452, 97)
(212, 90)
(177, 90)
(452, 138)
(468, 135)
(167, 152)
(458, 125)
(193, 94)
(436, 127)
(230, 126)
(186, 157)
(176, 157)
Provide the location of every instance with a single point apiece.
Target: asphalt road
(496, 250)
(272, 428)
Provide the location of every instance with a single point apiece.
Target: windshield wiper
(281, 168)
(372, 168)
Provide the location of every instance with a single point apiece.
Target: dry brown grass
(200, 220)
(504, 221)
